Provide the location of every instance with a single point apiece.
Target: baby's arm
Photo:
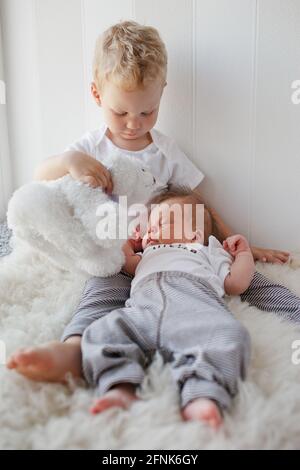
(242, 268)
(221, 231)
(79, 165)
(132, 259)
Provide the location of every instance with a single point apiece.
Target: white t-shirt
(210, 263)
(163, 157)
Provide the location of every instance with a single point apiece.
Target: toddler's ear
(95, 93)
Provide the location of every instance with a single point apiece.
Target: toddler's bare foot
(203, 409)
(121, 395)
(49, 362)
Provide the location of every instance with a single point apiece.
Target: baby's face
(130, 115)
(170, 222)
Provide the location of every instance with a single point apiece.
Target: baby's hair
(131, 55)
(189, 196)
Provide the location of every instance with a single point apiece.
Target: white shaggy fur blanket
(36, 301)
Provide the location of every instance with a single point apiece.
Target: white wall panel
(5, 166)
(60, 68)
(275, 179)
(225, 46)
(19, 29)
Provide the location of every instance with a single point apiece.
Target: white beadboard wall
(5, 170)
(228, 100)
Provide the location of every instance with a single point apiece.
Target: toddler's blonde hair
(130, 55)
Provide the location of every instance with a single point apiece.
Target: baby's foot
(120, 396)
(203, 409)
(49, 362)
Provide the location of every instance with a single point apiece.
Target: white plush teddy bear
(61, 218)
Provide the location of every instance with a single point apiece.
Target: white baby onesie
(210, 263)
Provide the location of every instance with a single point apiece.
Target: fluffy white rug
(36, 301)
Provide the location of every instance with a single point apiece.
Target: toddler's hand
(87, 169)
(269, 256)
(236, 244)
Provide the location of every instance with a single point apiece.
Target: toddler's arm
(242, 268)
(81, 167)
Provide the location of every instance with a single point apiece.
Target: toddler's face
(170, 222)
(130, 115)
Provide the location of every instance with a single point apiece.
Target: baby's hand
(136, 240)
(236, 244)
(87, 169)
(131, 259)
(128, 248)
(269, 256)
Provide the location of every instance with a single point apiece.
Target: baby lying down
(176, 307)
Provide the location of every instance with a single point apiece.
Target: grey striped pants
(102, 295)
(184, 319)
